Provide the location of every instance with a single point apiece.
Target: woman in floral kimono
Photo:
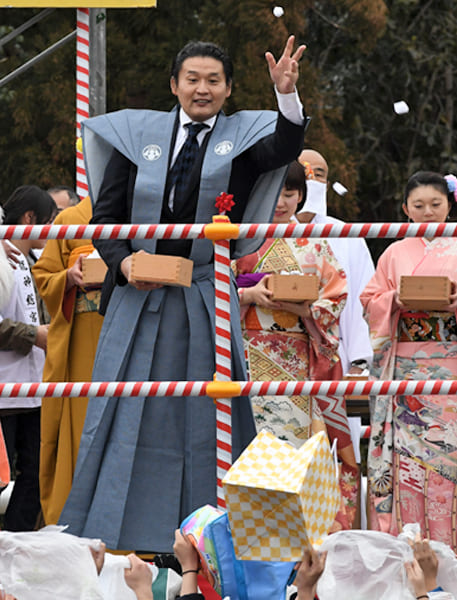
(287, 341)
(412, 460)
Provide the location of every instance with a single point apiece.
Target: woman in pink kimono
(412, 458)
(287, 341)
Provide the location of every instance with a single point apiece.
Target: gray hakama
(145, 463)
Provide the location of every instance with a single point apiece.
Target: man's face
(62, 200)
(201, 87)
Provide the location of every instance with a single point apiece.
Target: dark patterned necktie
(181, 170)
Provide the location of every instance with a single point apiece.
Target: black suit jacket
(114, 203)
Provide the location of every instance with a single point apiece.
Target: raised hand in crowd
(416, 578)
(189, 561)
(98, 556)
(427, 561)
(308, 572)
(139, 578)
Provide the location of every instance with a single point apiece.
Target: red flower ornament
(224, 202)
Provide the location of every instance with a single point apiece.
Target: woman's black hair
(436, 180)
(205, 49)
(296, 180)
(29, 198)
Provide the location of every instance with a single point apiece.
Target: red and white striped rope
(96, 389)
(349, 230)
(223, 363)
(343, 388)
(125, 389)
(246, 230)
(82, 91)
(103, 232)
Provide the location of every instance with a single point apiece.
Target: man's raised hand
(284, 72)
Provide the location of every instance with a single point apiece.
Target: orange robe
(72, 342)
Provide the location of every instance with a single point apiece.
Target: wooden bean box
(293, 288)
(94, 271)
(422, 292)
(162, 268)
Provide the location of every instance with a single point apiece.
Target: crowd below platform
(294, 419)
(128, 471)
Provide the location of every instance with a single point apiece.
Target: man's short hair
(203, 49)
(74, 198)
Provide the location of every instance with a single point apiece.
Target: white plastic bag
(48, 564)
(370, 564)
(365, 564)
(112, 581)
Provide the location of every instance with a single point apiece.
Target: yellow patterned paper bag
(281, 500)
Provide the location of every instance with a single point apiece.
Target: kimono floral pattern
(87, 301)
(281, 346)
(412, 459)
(422, 326)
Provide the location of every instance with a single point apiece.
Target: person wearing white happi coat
(22, 353)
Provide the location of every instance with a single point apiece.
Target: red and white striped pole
(223, 363)
(82, 92)
(365, 432)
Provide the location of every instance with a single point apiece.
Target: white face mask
(316, 199)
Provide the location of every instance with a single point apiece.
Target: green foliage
(37, 109)
(361, 57)
(412, 61)
(404, 51)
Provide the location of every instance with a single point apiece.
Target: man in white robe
(353, 255)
